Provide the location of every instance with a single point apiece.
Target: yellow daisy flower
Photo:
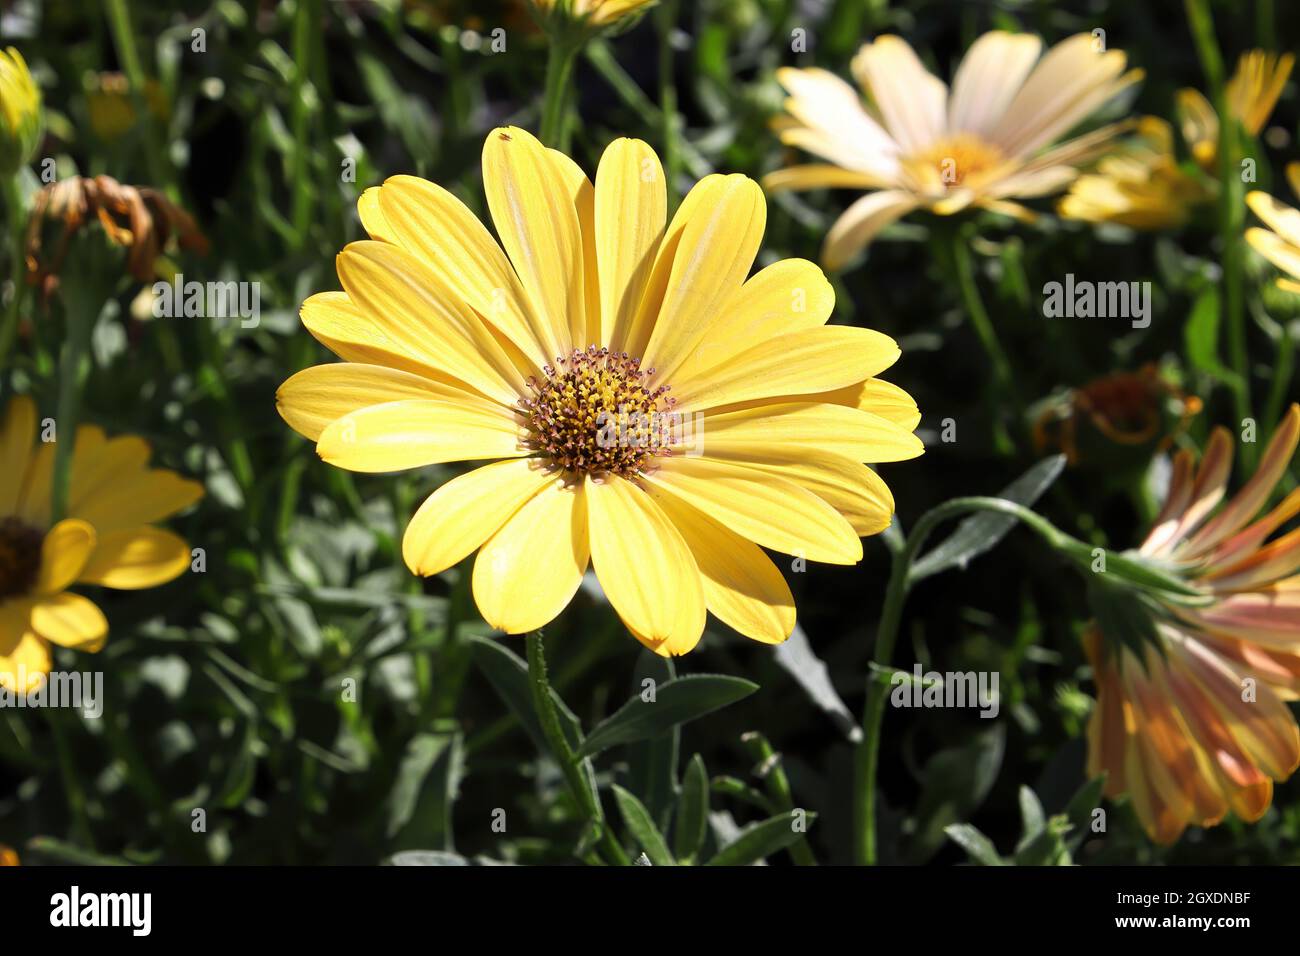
(1143, 186)
(1280, 243)
(1140, 185)
(653, 411)
(1252, 93)
(20, 111)
(1196, 724)
(594, 13)
(106, 539)
(918, 146)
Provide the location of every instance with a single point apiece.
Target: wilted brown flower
(138, 219)
(1125, 410)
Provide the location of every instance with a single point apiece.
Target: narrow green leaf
(981, 532)
(674, 703)
(507, 672)
(692, 811)
(645, 834)
(979, 847)
(764, 839)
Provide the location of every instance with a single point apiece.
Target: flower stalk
(540, 688)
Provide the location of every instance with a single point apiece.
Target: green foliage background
(223, 689)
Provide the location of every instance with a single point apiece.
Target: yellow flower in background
(20, 112)
(1140, 185)
(594, 13)
(107, 539)
(651, 410)
(916, 145)
(111, 108)
(7, 856)
(1281, 246)
(1252, 93)
(1196, 724)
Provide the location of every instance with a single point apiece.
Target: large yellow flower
(918, 146)
(1280, 243)
(655, 413)
(1196, 723)
(106, 539)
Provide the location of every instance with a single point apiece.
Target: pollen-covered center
(954, 161)
(594, 412)
(20, 557)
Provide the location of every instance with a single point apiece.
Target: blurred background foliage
(225, 690)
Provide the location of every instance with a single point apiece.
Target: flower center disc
(594, 413)
(951, 162)
(20, 557)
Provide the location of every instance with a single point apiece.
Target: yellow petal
(785, 297)
(99, 463)
(583, 195)
(793, 427)
(858, 225)
(848, 486)
(819, 176)
(529, 570)
(143, 498)
(133, 558)
(880, 398)
(70, 620)
(991, 73)
(64, 553)
(768, 510)
(742, 587)
(342, 327)
(372, 216)
(631, 211)
(414, 433)
(423, 317)
(1279, 217)
(537, 220)
(466, 511)
(1275, 249)
(713, 258)
(912, 101)
(702, 196)
(644, 566)
(17, 438)
(806, 362)
(24, 657)
(441, 230)
(317, 396)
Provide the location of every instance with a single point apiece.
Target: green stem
(72, 788)
(866, 762)
(1231, 215)
(555, 100)
(570, 765)
(79, 312)
(666, 20)
(304, 18)
(11, 197)
(128, 55)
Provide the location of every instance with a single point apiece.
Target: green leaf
(507, 672)
(692, 811)
(1201, 336)
(1081, 807)
(953, 785)
(675, 702)
(796, 655)
(645, 834)
(652, 763)
(981, 532)
(979, 847)
(763, 839)
(1031, 814)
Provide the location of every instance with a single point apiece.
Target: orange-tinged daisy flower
(917, 146)
(106, 539)
(1280, 243)
(1196, 724)
(1252, 93)
(654, 412)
